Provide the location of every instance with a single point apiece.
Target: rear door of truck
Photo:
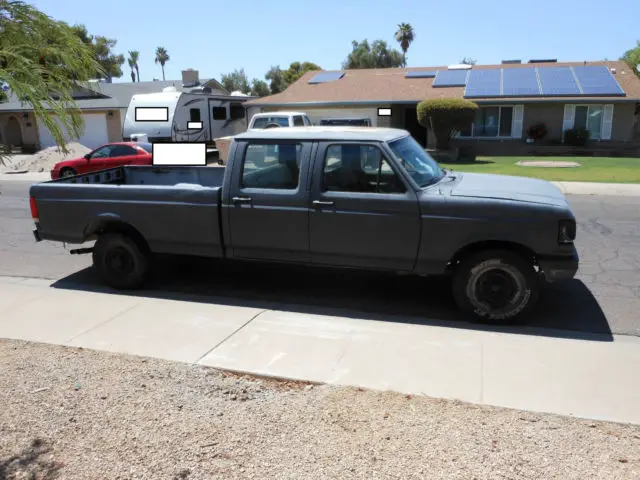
(267, 200)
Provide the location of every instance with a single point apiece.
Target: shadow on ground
(565, 310)
(31, 463)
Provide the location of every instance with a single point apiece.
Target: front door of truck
(267, 205)
(363, 213)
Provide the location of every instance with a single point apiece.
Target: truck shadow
(565, 310)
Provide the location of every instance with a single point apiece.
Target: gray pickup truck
(352, 197)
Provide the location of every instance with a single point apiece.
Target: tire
(120, 261)
(496, 286)
(67, 172)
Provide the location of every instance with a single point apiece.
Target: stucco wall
(623, 118)
(114, 125)
(550, 114)
(28, 128)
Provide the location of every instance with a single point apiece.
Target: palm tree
(134, 56)
(162, 57)
(132, 66)
(405, 36)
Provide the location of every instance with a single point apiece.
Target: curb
(600, 189)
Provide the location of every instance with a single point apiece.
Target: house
(103, 107)
(603, 97)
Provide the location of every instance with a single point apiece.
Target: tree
(259, 88)
(632, 58)
(134, 57)
(446, 117)
(405, 36)
(277, 83)
(376, 55)
(43, 61)
(236, 81)
(296, 70)
(162, 57)
(132, 67)
(468, 61)
(111, 64)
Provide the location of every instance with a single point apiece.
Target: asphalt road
(604, 298)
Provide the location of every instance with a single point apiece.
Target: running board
(81, 251)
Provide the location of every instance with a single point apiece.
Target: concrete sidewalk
(520, 369)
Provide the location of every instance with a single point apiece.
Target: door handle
(241, 199)
(319, 203)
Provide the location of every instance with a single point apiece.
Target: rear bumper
(36, 235)
(560, 268)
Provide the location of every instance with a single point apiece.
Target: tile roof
(389, 85)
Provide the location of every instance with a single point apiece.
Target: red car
(110, 155)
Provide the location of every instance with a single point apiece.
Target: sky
(217, 37)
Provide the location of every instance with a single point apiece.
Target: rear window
(264, 121)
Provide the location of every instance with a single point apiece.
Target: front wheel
(120, 261)
(496, 286)
(67, 172)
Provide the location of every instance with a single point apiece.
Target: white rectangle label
(180, 154)
(152, 114)
(384, 112)
(194, 125)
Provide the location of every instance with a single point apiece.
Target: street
(604, 299)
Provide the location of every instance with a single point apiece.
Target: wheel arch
(476, 247)
(111, 223)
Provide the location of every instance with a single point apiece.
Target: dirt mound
(44, 160)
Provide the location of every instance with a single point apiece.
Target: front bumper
(559, 268)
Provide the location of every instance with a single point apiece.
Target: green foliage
(537, 131)
(446, 117)
(576, 137)
(110, 63)
(277, 83)
(296, 70)
(259, 88)
(162, 57)
(132, 66)
(134, 58)
(376, 55)
(405, 37)
(43, 61)
(236, 80)
(632, 58)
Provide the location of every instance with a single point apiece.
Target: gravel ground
(80, 414)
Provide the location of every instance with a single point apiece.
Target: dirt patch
(548, 164)
(44, 160)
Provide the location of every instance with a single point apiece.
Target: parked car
(106, 156)
(279, 119)
(354, 122)
(353, 197)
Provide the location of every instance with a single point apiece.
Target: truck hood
(504, 187)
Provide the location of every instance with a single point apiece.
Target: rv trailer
(195, 116)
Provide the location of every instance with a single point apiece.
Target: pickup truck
(351, 197)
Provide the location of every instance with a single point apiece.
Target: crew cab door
(268, 198)
(363, 212)
(120, 155)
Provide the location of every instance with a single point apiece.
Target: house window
(219, 113)
(491, 122)
(194, 115)
(589, 117)
(237, 111)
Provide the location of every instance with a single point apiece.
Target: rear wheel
(67, 172)
(496, 286)
(120, 261)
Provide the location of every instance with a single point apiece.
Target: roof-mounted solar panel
(484, 83)
(558, 81)
(422, 74)
(325, 77)
(520, 82)
(597, 80)
(451, 78)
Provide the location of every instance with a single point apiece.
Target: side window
(298, 121)
(219, 113)
(260, 122)
(307, 121)
(275, 166)
(102, 152)
(359, 168)
(194, 115)
(122, 151)
(236, 111)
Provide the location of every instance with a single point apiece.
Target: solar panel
(324, 77)
(425, 74)
(520, 82)
(451, 78)
(558, 81)
(597, 80)
(484, 83)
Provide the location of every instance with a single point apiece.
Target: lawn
(592, 169)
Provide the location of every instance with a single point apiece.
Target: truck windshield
(419, 165)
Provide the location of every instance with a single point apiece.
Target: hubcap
(120, 261)
(497, 288)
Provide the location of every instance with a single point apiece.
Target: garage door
(94, 135)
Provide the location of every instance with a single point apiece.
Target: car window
(122, 151)
(219, 113)
(307, 121)
(275, 166)
(298, 121)
(102, 152)
(194, 115)
(359, 168)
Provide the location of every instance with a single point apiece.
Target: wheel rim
(496, 288)
(67, 173)
(120, 261)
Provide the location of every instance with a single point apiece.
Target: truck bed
(175, 209)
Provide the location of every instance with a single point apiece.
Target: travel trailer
(199, 115)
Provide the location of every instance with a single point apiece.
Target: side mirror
(88, 156)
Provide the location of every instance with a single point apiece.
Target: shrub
(576, 137)
(446, 117)
(538, 131)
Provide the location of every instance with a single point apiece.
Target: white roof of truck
(278, 114)
(375, 134)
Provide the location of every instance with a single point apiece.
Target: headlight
(566, 231)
